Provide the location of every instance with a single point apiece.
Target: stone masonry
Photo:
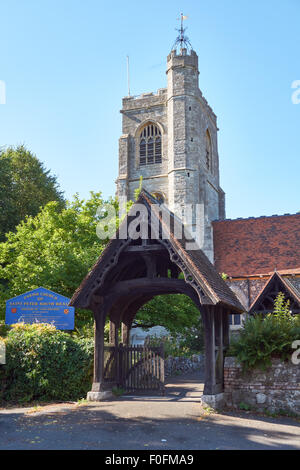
(183, 177)
(183, 365)
(277, 389)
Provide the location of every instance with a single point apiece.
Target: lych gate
(133, 269)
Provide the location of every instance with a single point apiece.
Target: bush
(4, 329)
(45, 364)
(264, 338)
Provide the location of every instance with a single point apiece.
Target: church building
(170, 139)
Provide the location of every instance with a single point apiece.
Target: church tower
(170, 139)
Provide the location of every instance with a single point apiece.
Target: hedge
(45, 364)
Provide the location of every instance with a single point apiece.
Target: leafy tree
(176, 312)
(54, 249)
(25, 186)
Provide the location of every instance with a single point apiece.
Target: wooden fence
(135, 367)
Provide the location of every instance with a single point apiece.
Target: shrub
(263, 338)
(45, 364)
(4, 329)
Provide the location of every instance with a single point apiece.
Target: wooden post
(113, 332)
(226, 328)
(219, 348)
(125, 333)
(162, 367)
(99, 351)
(210, 354)
(120, 362)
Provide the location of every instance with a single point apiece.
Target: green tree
(54, 249)
(176, 312)
(180, 316)
(25, 186)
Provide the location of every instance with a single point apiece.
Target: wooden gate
(135, 367)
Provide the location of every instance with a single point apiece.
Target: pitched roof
(245, 247)
(196, 264)
(286, 284)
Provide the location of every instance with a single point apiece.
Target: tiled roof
(244, 247)
(291, 289)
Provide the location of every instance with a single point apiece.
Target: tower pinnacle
(182, 40)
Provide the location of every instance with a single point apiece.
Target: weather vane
(182, 39)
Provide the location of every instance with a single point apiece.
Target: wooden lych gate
(151, 255)
(134, 368)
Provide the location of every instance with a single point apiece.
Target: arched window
(150, 145)
(208, 150)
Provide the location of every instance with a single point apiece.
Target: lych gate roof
(198, 270)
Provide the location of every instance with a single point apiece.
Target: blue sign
(40, 306)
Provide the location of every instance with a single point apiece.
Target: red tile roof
(245, 247)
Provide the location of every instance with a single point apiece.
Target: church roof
(283, 284)
(197, 265)
(254, 246)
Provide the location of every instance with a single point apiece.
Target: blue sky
(64, 65)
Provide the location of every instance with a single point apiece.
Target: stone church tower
(170, 139)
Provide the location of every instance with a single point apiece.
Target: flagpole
(128, 82)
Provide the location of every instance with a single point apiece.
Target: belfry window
(208, 150)
(150, 145)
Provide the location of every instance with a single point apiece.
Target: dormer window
(150, 145)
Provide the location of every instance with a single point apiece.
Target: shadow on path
(176, 421)
(182, 387)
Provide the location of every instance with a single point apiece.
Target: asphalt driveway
(173, 422)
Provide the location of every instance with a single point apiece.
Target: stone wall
(276, 389)
(182, 365)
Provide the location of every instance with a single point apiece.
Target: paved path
(175, 421)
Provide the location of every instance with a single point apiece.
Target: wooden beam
(144, 248)
(151, 263)
(146, 285)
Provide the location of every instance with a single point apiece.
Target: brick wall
(276, 389)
